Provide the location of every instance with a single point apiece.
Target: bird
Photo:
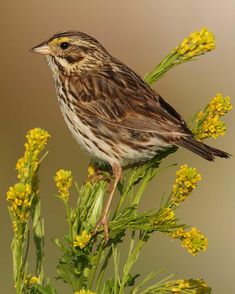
(112, 113)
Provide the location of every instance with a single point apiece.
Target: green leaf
(69, 275)
(48, 289)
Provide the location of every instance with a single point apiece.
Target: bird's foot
(104, 223)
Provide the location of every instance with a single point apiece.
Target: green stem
(27, 249)
(102, 271)
(166, 64)
(68, 215)
(38, 236)
(95, 267)
(116, 259)
(18, 267)
(121, 200)
(157, 288)
(132, 257)
(141, 190)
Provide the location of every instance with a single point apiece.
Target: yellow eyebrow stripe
(60, 40)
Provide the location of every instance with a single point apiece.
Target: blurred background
(139, 33)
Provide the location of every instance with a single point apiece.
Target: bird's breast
(107, 142)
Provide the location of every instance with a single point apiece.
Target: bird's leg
(103, 221)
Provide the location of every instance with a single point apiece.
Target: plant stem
(38, 236)
(102, 271)
(27, 248)
(95, 267)
(18, 242)
(68, 215)
(132, 257)
(166, 64)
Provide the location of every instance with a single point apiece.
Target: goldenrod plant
(208, 123)
(24, 201)
(86, 258)
(196, 44)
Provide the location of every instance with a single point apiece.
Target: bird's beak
(42, 48)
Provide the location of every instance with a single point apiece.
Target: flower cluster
(165, 216)
(82, 240)
(63, 180)
(219, 105)
(19, 196)
(212, 127)
(192, 240)
(197, 43)
(185, 182)
(208, 123)
(187, 286)
(84, 292)
(36, 140)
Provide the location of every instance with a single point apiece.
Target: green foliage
(86, 267)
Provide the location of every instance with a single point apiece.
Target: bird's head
(71, 52)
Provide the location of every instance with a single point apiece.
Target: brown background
(140, 33)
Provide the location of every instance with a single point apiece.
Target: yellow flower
(91, 170)
(197, 43)
(219, 105)
(194, 241)
(165, 216)
(63, 179)
(177, 286)
(82, 240)
(185, 182)
(177, 234)
(208, 123)
(212, 127)
(187, 286)
(36, 141)
(31, 280)
(84, 292)
(19, 197)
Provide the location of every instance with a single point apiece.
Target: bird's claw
(104, 223)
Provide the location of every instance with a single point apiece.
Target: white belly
(85, 137)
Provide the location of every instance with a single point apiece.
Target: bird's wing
(128, 102)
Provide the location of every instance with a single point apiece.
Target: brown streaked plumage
(111, 111)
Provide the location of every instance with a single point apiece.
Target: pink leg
(117, 171)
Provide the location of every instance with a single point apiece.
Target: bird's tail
(201, 149)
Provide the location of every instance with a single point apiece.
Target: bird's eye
(64, 45)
